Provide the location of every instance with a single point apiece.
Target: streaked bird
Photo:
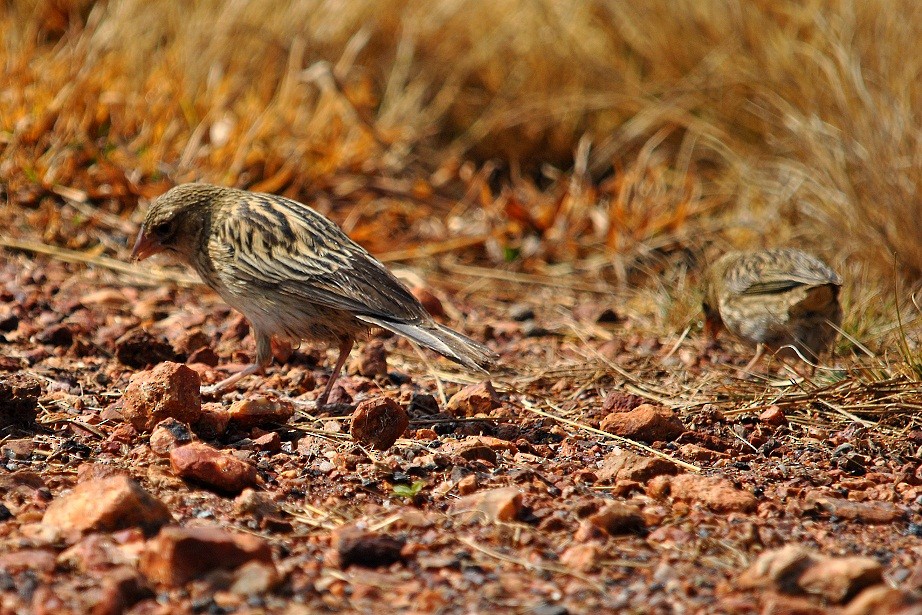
(292, 273)
(774, 299)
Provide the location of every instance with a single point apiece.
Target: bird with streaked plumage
(775, 299)
(292, 273)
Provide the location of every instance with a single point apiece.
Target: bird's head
(176, 221)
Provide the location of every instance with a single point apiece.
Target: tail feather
(447, 342)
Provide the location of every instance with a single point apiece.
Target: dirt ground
(603, 469)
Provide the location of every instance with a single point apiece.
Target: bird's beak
(144, 246)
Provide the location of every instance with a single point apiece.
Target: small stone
(18, 450)
(39, 560)
(56, 335)
(837, 579)
(122, 588)
(633, 467)
(882, 600)
(107, 505)
(269, 442)
(168, 434)
(471, 449)
(773, 415)
(619, 401)
(645, 423)
(422, 405)
(696, 452)
(170, 390)
(717, 494)
(503, 504)
(583, 557)
(872, 512)
(468, 484)
(378, 422)
(248, 413)
(252, 503)
(778, 568)
(356, 546)
(139, 348)
(211, 467)
(472, 400)
(18, 400)
(213, 420)
(617, 518)
(371, 361)
(179, 554)
(254, 579)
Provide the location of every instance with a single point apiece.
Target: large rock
(107, 505)
(170, 390)
(179, 554)
(211, 467)
(645, 423)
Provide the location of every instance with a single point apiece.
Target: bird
(782, 299)
(293, 273)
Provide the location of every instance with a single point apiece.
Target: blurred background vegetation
(597, 133)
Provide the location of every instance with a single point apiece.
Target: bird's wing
(779, 271)
(273, 244)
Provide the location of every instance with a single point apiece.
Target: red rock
(472, 400)
(254, 579)
(583, 557)
(20, 449)
(471, 449)
(357, 546)
(121, 589)
(468, 484)
(168, 434)
(619, 401)
(837, 579)
(872, 512)
(778, 568)
(95, 552)
(39, 560)
(371, 361)
(96, 471)
(107, 505)
(773, 415)
(884, 600)
(170, 390)
(717, 494)
(211, 467)
(213, 421)
(378, 422)
(139, 348)
(270, 442)
(18, 399)
(645, 423)
(248, 413)
(618, 518)
(633, 467)
(695, 452)
(503, 504)
(179, 554)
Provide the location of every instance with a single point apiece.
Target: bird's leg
(263, 359)
(345, 347)
(760, 350)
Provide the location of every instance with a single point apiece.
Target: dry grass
(613, 134)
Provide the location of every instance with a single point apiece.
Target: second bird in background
(779, 299)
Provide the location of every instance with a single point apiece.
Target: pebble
(503, 504)
(213, 468)
(179, 554)
(645, 423)
(472, 400)
(107, 505)
(170, 390)
(378, 422)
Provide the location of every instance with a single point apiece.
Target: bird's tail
(447, 342)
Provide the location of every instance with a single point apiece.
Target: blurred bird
(774, 299)
(292, 273)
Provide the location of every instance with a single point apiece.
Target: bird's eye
(164, 229)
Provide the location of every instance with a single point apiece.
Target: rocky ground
(601, 469)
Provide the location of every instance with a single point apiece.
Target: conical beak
(144, 246)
